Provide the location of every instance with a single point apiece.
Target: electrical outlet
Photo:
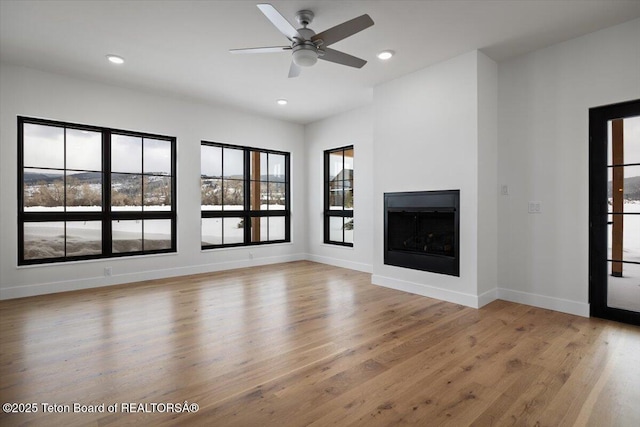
(107, 272)
(535, 207)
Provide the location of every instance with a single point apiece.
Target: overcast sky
(44, 148)
(211, 161)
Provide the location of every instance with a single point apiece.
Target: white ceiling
(181, 47)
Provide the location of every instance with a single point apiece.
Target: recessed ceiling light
(115, 59)
(282, 101)
(385, 54)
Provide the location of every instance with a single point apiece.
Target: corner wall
(544, 99)
(487, 179)
(35, 93)
(351, 128)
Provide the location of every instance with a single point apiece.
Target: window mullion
(107, 245)
(64, 188)
(246, 182)
(142, 191)
(268, 193)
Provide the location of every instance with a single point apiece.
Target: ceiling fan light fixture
(385, 55)
(305, 56)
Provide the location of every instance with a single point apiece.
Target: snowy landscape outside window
(338, 196)
(91, 192)
(244, 196)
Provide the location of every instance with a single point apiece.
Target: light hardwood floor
(308, 344)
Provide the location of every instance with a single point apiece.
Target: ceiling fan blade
(344, 30)
(270, 49)
(342, 58)
(294, 70)
(279, 21)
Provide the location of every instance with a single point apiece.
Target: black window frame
(333, 213)
(599, 211)
(247, 213)
(105, 215)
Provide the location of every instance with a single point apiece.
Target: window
(338, 196)
(90, 192)
(244, 196)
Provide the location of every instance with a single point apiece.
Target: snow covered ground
(336, 227)
(272, 228)
(47, 239)
(624, 292)
(213, 229)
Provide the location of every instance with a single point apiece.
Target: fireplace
(422, 230)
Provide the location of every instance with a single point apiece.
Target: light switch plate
(535, 207)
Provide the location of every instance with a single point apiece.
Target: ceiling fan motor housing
(304, 17)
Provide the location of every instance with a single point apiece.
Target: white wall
(350, 128)
(487, 179)
(426, 138)
(38, 94)
(544, 100)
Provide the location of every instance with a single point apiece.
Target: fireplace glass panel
(423, 232)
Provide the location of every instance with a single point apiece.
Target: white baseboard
(358, 266)
(550, 303)
(487, 297)
(432, 292)
(100, 281)
(541, 301)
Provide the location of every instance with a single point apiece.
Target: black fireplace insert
(421, 230)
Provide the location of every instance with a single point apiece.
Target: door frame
(598, 145)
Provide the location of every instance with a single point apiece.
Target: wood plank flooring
(302, 344)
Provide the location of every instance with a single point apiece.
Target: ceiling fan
(307, 46)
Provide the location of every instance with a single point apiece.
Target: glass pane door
(623, 221)
(614, 212)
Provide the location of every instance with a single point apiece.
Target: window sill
(332, 246)
(246, 247)
(93, 261)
